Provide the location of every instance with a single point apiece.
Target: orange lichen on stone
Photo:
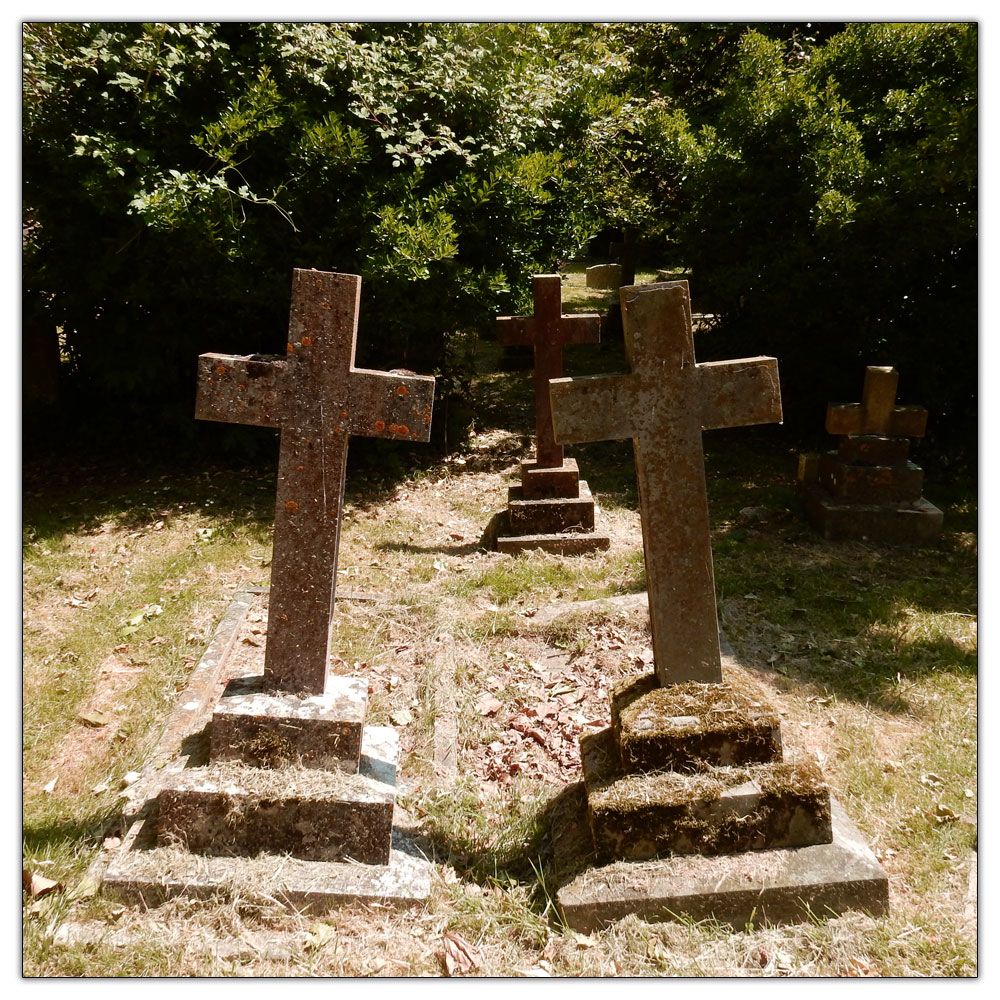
(380, 425)
(307, 341)
(290, 349)
(401, 390)
(220, 370)
(292, 507)
(400, 429)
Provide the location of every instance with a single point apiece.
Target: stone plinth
(718, 810)
(868, 490)
(604, 276)
(782, 885)
(231, 809)
(543, 482)
(542, 516)
(274, 728)
(685, 725)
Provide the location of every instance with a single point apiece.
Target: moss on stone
(686, 725)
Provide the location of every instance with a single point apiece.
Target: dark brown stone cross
(548, 331)
(318, 399)
(877, 413)
(664, 405)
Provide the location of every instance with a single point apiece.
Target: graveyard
(499, 499)
(489, 668)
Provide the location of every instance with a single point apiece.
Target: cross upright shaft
(318, 399)
(664, 405)
(547, 331)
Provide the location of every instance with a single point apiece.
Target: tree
(825, 196)
(175, 173)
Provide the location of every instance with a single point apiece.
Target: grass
(868, 653)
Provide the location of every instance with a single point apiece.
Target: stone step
(550, 516)
(873, 449)
(227, 808)
(538, 483)
(682, 726)
(270, 728)
(569, 543)
(717, 810)
(876, 484)
(907, 524)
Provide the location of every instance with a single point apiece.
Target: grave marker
(664, 405)
(547, 331)
(318, 399)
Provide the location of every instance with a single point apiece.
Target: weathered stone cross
(318, 399)
(664, 405)
(877, 413)
(548, 330)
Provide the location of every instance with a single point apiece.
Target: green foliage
(176, 173)
(825, 196)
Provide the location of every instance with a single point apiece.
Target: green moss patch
(685, 726)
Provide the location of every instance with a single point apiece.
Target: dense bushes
(820, 181)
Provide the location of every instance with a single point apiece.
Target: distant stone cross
(318, 399)
(877, 413)
(548, 330)
(626, 253)
(664, 405)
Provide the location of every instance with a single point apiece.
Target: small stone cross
(877, 413)
(318, 399)
(548, 330)
(664, 405)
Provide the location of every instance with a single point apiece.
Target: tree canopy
(819, 180)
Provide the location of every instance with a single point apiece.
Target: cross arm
(389, 405)
(851, 418)
(593, 408)
(580, 328)
(515, 331)
(739, 393)
(238, 389)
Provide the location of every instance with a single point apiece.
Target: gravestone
(292, 769)
(868, 489)
(604, 276)
(692, 765)
(552, 509)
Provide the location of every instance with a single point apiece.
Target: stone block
(567, 543)
(783, 885)
(273, 728)
(538, 483)
(229, 809)
(808, 470)
(604, 276)
(718, 810)
(874, 449)
(873, 484)
(908, 524)
(682, 726)
(550, 516)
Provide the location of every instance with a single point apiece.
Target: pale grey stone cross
(664, 405)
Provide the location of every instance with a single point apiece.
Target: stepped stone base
(878, 484)
(911, 523)
(231, 809)
(143, 871)
(786, 885)
(685, 725)
(717, 810)
(267, 729)
(550, 515)
(552, 510)
(543, 482)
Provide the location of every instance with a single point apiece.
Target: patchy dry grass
(868, 653)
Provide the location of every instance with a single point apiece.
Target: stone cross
(318, 399)
(877, 413)
(664, 405)
(548, 330)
